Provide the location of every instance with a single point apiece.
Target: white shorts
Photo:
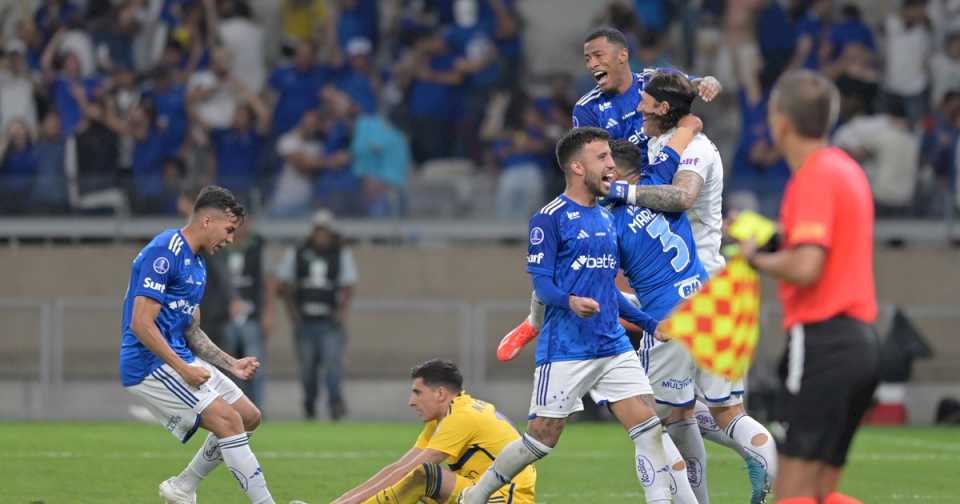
(558, 387)
(177, 405)
(717, 391)
(671, 370)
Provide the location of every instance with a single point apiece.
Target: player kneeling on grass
(167, 361)
(465, 433)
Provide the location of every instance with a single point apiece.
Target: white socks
(512, 459)
(537, 309)
(204, 462)
(710, 430)
(682, 492)
(739, 436)
(651, 461)
(686, 435)
(745, 431)
(245, 468)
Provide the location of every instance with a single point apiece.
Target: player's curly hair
(219, 198)
(439, 372)
(675, 89)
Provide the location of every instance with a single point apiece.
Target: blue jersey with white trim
(616, 113)
(657, 251)
(576, 246)
(167, 271)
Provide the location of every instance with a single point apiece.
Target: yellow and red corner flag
(720, 325)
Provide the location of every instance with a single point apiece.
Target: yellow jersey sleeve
(425, 435)
(453, 433)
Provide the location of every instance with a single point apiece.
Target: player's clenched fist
(583, 306)
(194, 375)
(245, 368)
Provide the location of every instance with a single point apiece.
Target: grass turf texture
(99, 463)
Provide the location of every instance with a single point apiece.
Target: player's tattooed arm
(677, 197)
(205, 348)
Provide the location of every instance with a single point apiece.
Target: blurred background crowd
(432, 107)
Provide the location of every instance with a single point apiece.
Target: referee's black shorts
(829, 373)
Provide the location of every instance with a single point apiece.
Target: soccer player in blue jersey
(167, 361)
(613, 106)
(723, 418)
(573, 261)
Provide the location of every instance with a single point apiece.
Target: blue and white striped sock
(245, 468)
(651, 460)
(512, 459)
(204, 462)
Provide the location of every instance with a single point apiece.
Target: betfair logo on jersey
(690, 161)
(607, 261)
(637, 138)
(535, 258)
(148, 283)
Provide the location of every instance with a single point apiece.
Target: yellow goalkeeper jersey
(472, 435)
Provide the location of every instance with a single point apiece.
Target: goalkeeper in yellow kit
(464, 433)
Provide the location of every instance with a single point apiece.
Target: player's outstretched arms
(203, 347)
(144, 326)
(391, 474)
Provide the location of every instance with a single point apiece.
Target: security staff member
(251, 309)
(825, 268)
(317, 279)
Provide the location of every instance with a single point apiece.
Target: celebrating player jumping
(168, 362)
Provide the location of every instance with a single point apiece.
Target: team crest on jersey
(161, 265)
(536, 236)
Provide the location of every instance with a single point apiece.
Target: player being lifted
(466, 433)
(572, 259)
(167, 361)
(696, 187)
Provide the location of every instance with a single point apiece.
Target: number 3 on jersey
(659, 228)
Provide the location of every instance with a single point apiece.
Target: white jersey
(702, 158)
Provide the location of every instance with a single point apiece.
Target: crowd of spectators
(113, 106)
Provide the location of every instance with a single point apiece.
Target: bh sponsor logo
(688, 286)
(607, 261)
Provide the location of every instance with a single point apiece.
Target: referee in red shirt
(825, 268)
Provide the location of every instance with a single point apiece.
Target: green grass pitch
(101, 463)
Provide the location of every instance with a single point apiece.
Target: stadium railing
(371, 230)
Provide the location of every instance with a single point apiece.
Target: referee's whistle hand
(584, 307)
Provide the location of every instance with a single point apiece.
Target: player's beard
(595, 185)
